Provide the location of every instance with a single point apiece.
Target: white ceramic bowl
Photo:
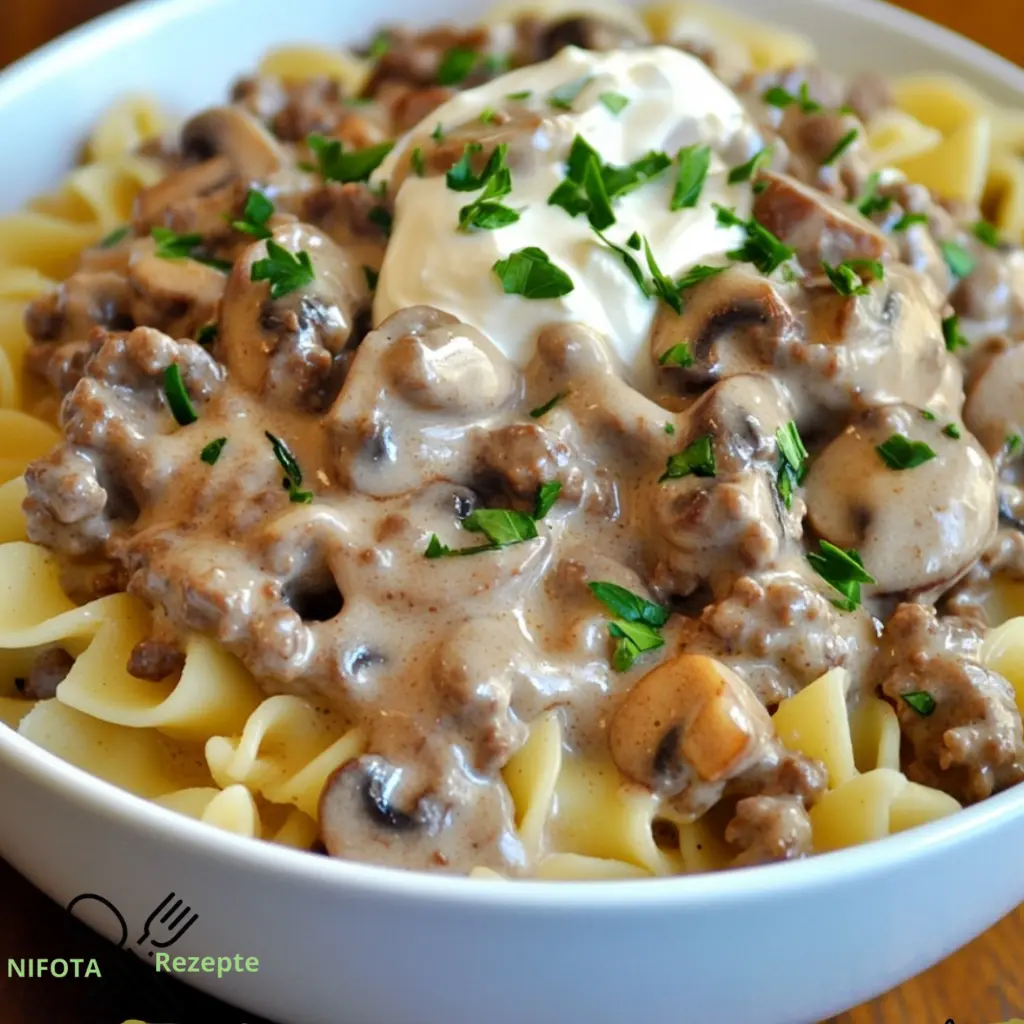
(341, 943)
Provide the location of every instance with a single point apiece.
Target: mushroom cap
(234, 133)
(917, 530)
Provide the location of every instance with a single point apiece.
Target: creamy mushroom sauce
(404, 424)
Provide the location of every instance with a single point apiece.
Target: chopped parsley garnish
(761, 247)
(460, 176)
(614, 101)
(258, 209)
(501, 526)
(908, 220)
(547, 495)
(782, 98)
(547, 406)
(177, 397)
(899, 452)
(211, 453)
(285, 271)
(456, 65)
(870, 201)
(696, 459)
(920, 701)
(960, 262)
(590, 185)
(207, 334)
(115, 237)
(842, 570)
(372, 277)
(987, 233)
(927, 414)
(438, 133)
(335, 164)
(696, 274)
(692, 163)
(529, 272)
(417, 162)
(1014, 444)
(677, 355)
(841, 147)
(566, 95)
(172, 246)
(485, 212)
(523, 94)
(495, 63)
(792, 461)
(629, 259)
(380, 45)
(636, 625)
(846, 277)
(951, 332)
(670, 428)
(660, 284)
(292, 473)
(380, 216)
(952, 430)
(748, 170)
(488, 115)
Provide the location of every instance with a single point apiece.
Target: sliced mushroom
(48, 671)
(235, 135)
(994, 410)
(205, 179)
(589, 32)
(176, 296)
(85, 300)
(690, 721)
(817, 226)
(294, 349)
(155, 659)
(734, 322)
(918, 529)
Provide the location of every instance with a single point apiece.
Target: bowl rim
(104, 800)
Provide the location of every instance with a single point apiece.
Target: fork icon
(168, 922)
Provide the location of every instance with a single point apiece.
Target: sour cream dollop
(673, 101)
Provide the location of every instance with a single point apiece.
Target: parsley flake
(115, 237)
(547, 495)
(779, 97)
(335, 164)
(677, 355)
(177, 396)
(614, 101)
(846, 278)
(693, 163)
(748, 170)
(908, 220)
(547, 406)
(696, 459)
(899, 452)
(987, 233)
(256, 211)
(485, 212)
(870, 201)
(1014, 445)
(960, 262)
(792, 461)
(211, 453)
(761, 247)
(841, 147)
(501, 526)
(843, 571)
(456, 65)
(636, 625)
(920, 701)
(285, 271)
(952, 430)
(417, 162)
(523, 94)
(292, 473)
(172, 246)
(566, 95)
(529, 272)
(952, 334)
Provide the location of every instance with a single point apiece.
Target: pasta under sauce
(590, 605)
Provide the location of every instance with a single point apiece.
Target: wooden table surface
(981, 984)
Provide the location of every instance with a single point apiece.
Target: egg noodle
(212, 746)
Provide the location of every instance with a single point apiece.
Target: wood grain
(981, 984)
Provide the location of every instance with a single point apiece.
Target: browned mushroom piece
(589, 32)
(48, 671)
(235, 135)
(212, 177)
(917, 529)
(176, 296)
(295, 350)
(817, 226)
(994, 410)
(710, 528)
(155, 659)
(962, 731)
(734, 322)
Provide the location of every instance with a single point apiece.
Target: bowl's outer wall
(333, 951)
